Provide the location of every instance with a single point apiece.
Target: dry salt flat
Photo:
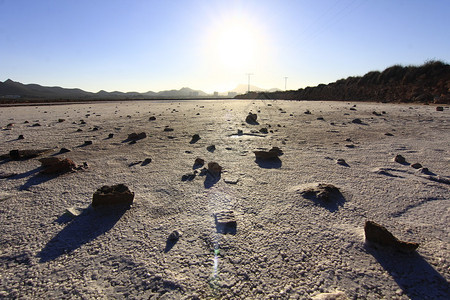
(281, 244)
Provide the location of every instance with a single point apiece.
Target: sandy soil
(285, 246)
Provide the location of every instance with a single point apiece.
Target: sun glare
(235, 45)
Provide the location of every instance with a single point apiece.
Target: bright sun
(235, 45)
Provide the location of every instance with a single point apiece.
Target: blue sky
(210, 45)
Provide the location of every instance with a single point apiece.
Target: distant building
(194, 94)
(216, 94)
(232, 94)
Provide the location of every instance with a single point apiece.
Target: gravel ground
(284, 246)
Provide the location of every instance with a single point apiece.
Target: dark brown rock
(112, 195)
(251, 118)
(195, 138)
(416, 166)
(272, 153)
(214, 168)
(152, 118)
(55, 165)
(137, 136)
(264, 130)
(439, 108)
(400, 159)
(323, 192)
(168, 129)
(211, 148)
(378, 234)
(356, 121)
(199, 161)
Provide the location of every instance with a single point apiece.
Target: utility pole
(249, 74)
(285, 83)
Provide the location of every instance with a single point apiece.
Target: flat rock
(137, 136)
(214, 168)
(225, 222)
(416, 166)
(55, 165)
(272, 153)
(378, 234)
(322, 192)
(400, 159)
(112, 195)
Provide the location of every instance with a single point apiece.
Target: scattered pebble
(356, 121)
(416, 165)
(211, 148)
(400, 159)
(21, 137)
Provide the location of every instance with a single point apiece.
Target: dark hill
(427, 83)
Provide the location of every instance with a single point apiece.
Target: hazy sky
(132, 45)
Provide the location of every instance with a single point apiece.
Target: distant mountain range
(15, 90)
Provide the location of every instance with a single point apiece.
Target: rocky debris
(264, 130)
(79, 130)
(214, 168)
(416, 165)
(211, 148)
(21, 137)
(225, 222)
(110, 136)
(9, 126)
(61, 120)
(168, 129)
(87, 143)
(112, 195)
(146, 161)
(195, 138)
(251, 119)
(199, 162)
(137, 136)
(271, 154)
(400, 159)
(388, 134)
(322, 192)
(240, 132)
(376, 113)
(320, 119)
(350, 146)
(188, 177)
(439, 108)
(152, 118)
(342, 162)
(36, 125)
(378, 234)
(25, 154)
(337, 295)
(307, 112)
(55, 165)
(174, 236)
(356, 121)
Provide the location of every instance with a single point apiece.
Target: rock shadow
(36, 179)
(413, 274)
(272, 163)
(331, 200)
(169, 244)
(211, 180)
(84, 228)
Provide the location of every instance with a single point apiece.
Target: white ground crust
(285, 246)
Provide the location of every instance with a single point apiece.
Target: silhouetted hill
(12, 91)
(427, 83)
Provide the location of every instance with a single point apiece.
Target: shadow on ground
(86, 227)
(413, 274)
(273, 163)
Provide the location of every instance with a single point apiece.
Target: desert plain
(54, 245)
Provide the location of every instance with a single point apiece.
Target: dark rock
(112, 195)
(146, 161)
(376, 113)
(95, 129)
(375, 233)
(272, 153)
(152, 118)
(79, 130)
(350, 146)
(388, 134)
(195, 138)
(36, 125)
(323, 192)
(416, 166)
(356, 121)
(400, 159)
(439, 108)
(21, 137)
(199, 162)
(174, 236)
(264, 130)
(307, 112)
(55, 165)
(352, 108)
(211, 148)
(251, 118)
(320, 119)
(61, 120)
(168, 129)
(137, 136)
(87, 143)
(240, 132)
(110, 136)
(188, 177)
(214, 168)
(342, 162)
(225, 222)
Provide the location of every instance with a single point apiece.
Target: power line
(249, 74)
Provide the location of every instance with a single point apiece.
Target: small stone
(323, 192)
(342, 162)
(211, 148)
(356, 121)
(439, 108)
(388, 134)
(79, 130)
(61, 120)
(137, 136)
(64, 150)
(152, 118)
(350, 146)
(168, 129)
(112, 195)
(400, 159)
(214, 168)
(376, 113)
(320, 119)
(146, 161)
(110, 136)
(251, 118)
(307, 112)
(271, 154)
(36, 125)
(240, 132)
(225, 222)
(21, 137)
(416, 165)
(73, 211)
(264, 130)
(55, 165)
(378, 234)
(88, 142)
(188, 177)
(199, 162)
(352, 108)
(195, 138)
(174, 236)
